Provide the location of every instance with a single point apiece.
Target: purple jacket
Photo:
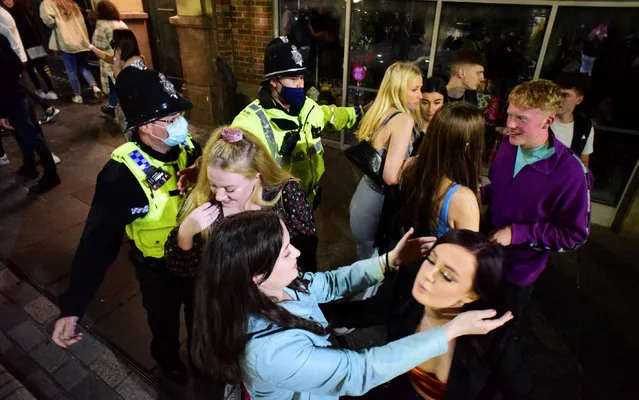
(547, 204)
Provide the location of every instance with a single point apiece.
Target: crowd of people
(227, 232)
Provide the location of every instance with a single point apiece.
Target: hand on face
(410, 250)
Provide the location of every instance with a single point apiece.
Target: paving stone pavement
(11, 388)
(33, 367)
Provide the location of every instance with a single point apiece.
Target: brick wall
(244, 27)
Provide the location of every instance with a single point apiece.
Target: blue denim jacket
(282, 364)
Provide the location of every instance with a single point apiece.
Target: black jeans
(28, 134)
(163, 296)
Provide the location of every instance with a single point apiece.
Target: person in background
(35, 51)
(108, 19)
(466, 74)
(68, 35)
(571, 128)
(258, 321)
(17, 115)
(136, 193)
(394, 121)
(434, 96)
(539, 192)
(35, 56)
(288, 122)
(439, 191)
(126, 53)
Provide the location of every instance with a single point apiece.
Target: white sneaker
(41, 94)
(4, 160)
(51, 95)
(56, 159)
(77, 99)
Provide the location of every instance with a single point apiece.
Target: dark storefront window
(383, 32)
(317, 28)
(603, 45)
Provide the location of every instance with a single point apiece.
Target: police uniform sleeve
(116, 194)
(342, 117)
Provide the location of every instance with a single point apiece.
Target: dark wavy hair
(107, 10)
(241, 247)
(489, 279)
(125, 40)
(452, 147)
(435, 84)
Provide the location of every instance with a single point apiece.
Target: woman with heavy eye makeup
(463, 271)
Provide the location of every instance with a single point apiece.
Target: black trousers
(163, 296)
(28, 134)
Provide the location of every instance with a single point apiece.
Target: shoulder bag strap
(384, 122)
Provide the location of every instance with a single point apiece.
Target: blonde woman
(238, 174)
(394, 121)
(68, 37)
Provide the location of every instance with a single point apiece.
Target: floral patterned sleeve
(181, 262)
(298, 217)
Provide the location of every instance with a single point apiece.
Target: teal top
(442, 222)
(531, 156)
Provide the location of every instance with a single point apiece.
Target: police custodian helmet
(282, 59)
(146, 96)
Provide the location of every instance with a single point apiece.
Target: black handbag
(366, 158)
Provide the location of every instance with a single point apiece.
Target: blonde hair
(539, 93)
(392, 94)
(246, 157)
(67, 7)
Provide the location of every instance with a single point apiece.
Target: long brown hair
(107, 10)
(452, 148)
(67, 7)
(242, 247)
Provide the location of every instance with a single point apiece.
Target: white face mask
(178, 131)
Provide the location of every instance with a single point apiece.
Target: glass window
(602, 44)
(383, 32)
(317, 28)
(509, 37)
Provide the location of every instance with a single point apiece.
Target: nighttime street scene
(319, 199)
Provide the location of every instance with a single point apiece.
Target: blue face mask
(178, 132)
(295, 97)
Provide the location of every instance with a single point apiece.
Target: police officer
(136, 192)
(288, 122)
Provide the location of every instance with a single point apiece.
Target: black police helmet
(282, 59)
(146, 96)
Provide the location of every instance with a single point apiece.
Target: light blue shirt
(281, 364)
(531, 156)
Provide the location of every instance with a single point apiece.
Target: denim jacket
(282, 363)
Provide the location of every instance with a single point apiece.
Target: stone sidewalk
(11, 388)
(42, 370)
